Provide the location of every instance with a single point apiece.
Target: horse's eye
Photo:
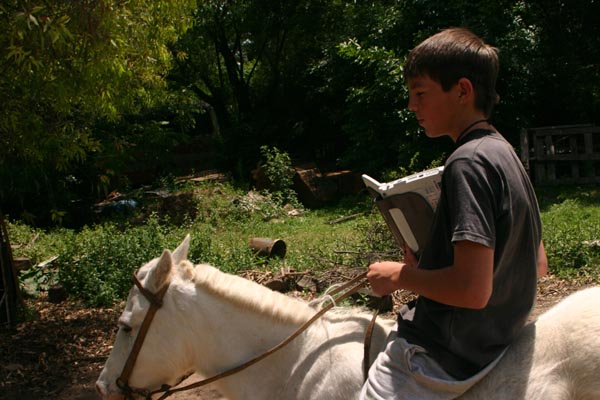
(124, 324)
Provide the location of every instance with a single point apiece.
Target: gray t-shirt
(486, 198)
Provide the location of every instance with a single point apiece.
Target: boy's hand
(409, 256)
(384, 277)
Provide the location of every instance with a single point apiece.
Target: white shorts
(405, 371)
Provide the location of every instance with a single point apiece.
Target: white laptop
(408, 205)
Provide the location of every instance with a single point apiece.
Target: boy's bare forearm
(467, 283)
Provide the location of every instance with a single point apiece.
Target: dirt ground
(60, 353)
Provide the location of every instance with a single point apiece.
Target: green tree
(250, 61)
(565, 62)
(549, 74)
(93, 87)
(67, 65)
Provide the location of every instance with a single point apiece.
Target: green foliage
(65, 66)
(277, 166)
(378, 122)
(566, 33)
(95, 90)
(96, 267)
(95, 264)
(71, 62)
(373, 117)
(571, 236)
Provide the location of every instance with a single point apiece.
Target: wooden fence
(567, 154)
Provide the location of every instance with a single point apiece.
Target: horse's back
(330, 365)
(567, 363)
(556, 357)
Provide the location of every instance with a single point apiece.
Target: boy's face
(434, 108)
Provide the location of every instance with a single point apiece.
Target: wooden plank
(550, 166)
(538, 147)
(540, 173)
(588, 143)
(565, 130)
(572, 181)
(574, 165)
(550, 127)
(573, 151)
(575, 170)
(569, 157)
(524, 139)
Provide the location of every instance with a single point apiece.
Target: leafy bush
(278, 170)
(96, 267)
(571, 234)
(95, 264)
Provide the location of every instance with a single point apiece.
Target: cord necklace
(469, 127)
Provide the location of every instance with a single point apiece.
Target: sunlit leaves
(67, 64)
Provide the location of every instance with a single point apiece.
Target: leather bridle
(155, 300)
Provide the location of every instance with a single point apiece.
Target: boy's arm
(467, 283)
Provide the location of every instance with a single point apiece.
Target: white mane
(250, 295)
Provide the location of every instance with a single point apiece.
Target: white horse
(211, 321)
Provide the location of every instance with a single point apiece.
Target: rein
(155, 300)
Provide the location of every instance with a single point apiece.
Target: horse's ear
(160, 275)
(181, 252)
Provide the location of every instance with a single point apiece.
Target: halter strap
(155, 300)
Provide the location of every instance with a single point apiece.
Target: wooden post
(525, 149)
(573, 150)
(540, 170)
(588, 141)
(550, 165)
(9, 283)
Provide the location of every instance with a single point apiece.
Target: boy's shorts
(405, 371)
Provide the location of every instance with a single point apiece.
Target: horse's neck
(249, 296)
(237, 320)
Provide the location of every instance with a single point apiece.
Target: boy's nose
(412, 106)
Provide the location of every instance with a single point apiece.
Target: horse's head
(161, 356)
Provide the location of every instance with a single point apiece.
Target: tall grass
(95, 263)
(571, 221)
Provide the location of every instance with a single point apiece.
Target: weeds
(95, 263)
(572, 238)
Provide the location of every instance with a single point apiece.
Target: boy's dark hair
(456, 53)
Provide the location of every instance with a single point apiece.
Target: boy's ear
(465, 89)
